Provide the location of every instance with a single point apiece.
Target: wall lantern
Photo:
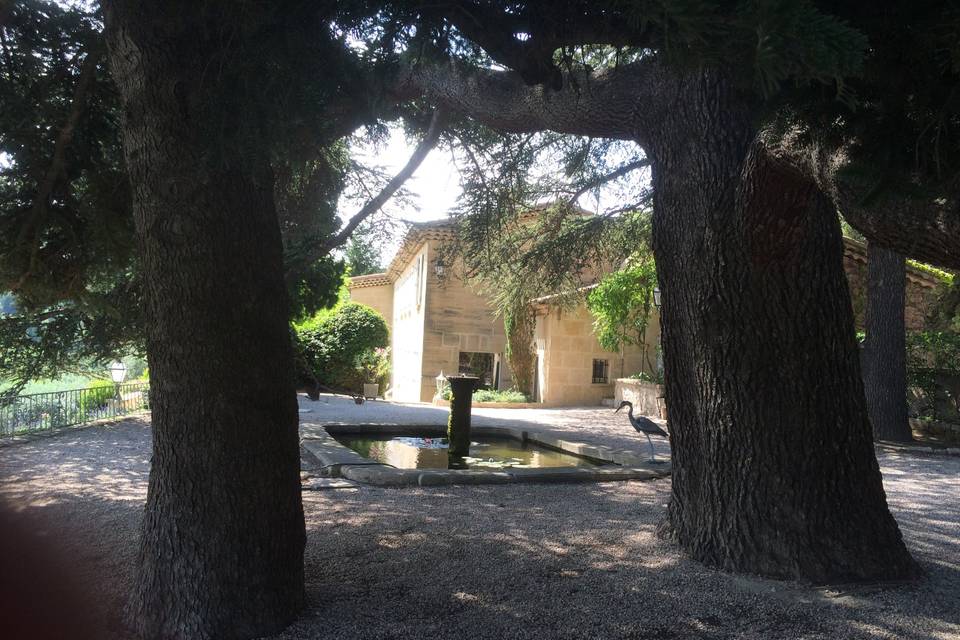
(118, 372)
(439, 267)
(656, 297)
(440, 380)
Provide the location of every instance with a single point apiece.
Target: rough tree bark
(519, 324)
(885, 347)
(774, 470)
(221, 548)
(773, 464)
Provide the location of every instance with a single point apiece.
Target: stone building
(438, 323)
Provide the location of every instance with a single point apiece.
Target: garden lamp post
(118, 373)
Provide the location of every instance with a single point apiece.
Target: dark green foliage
(330, 348)
(65, 225)
(767, 45)
(314, 287)
(66, 233)
(901, 138)
(362, 256)
(933, 369)
(67, 247)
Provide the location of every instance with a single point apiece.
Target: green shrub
(489, 395)
(329, 349)
(933, 371)
(643, 376)
(96, 397)
(373, 365)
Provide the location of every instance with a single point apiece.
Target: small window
(601, 371)
(477, 364)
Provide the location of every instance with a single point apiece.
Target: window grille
(601, 371)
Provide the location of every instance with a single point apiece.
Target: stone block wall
(921, 294)
(375, 291)
(643, 395)
(566, 348)
(458, 319)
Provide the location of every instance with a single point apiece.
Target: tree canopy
(755, 123)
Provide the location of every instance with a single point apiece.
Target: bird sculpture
(643, 425)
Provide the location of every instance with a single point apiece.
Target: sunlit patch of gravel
(510, 561)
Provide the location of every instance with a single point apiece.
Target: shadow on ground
(511, 561)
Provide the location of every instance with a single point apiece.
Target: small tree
(621, 306)
(363, 253)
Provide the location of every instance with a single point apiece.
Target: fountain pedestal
(458, 426)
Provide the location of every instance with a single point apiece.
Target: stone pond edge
(340, 461)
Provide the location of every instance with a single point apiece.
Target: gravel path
(511, 561)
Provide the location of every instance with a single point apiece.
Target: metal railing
(45, 411)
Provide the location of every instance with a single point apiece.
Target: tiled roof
(369, 280)
(418, 234)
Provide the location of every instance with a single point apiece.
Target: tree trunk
(221, 548)
(774, 470)
(520, 323)
(885, 348)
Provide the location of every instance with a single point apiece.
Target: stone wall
(566, 348)
(376, 292)
(921, 294)
(458, 319)
(643, 395)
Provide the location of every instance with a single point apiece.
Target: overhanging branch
(613, 175)
(373, 205)
(602, 104)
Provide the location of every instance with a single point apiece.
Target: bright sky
(434, 187)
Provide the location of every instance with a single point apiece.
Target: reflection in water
(410, 452)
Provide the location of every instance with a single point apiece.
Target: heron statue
(643, 425)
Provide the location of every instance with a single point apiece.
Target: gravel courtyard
(497, 561)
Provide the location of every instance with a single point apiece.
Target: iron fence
(44, 411)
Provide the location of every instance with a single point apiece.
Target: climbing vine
(519, 322)
(621, 305)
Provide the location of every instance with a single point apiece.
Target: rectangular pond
(422, 451)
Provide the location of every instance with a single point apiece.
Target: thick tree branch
(602, 104)
(923, 228)
(892, 211)
(525, 39)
